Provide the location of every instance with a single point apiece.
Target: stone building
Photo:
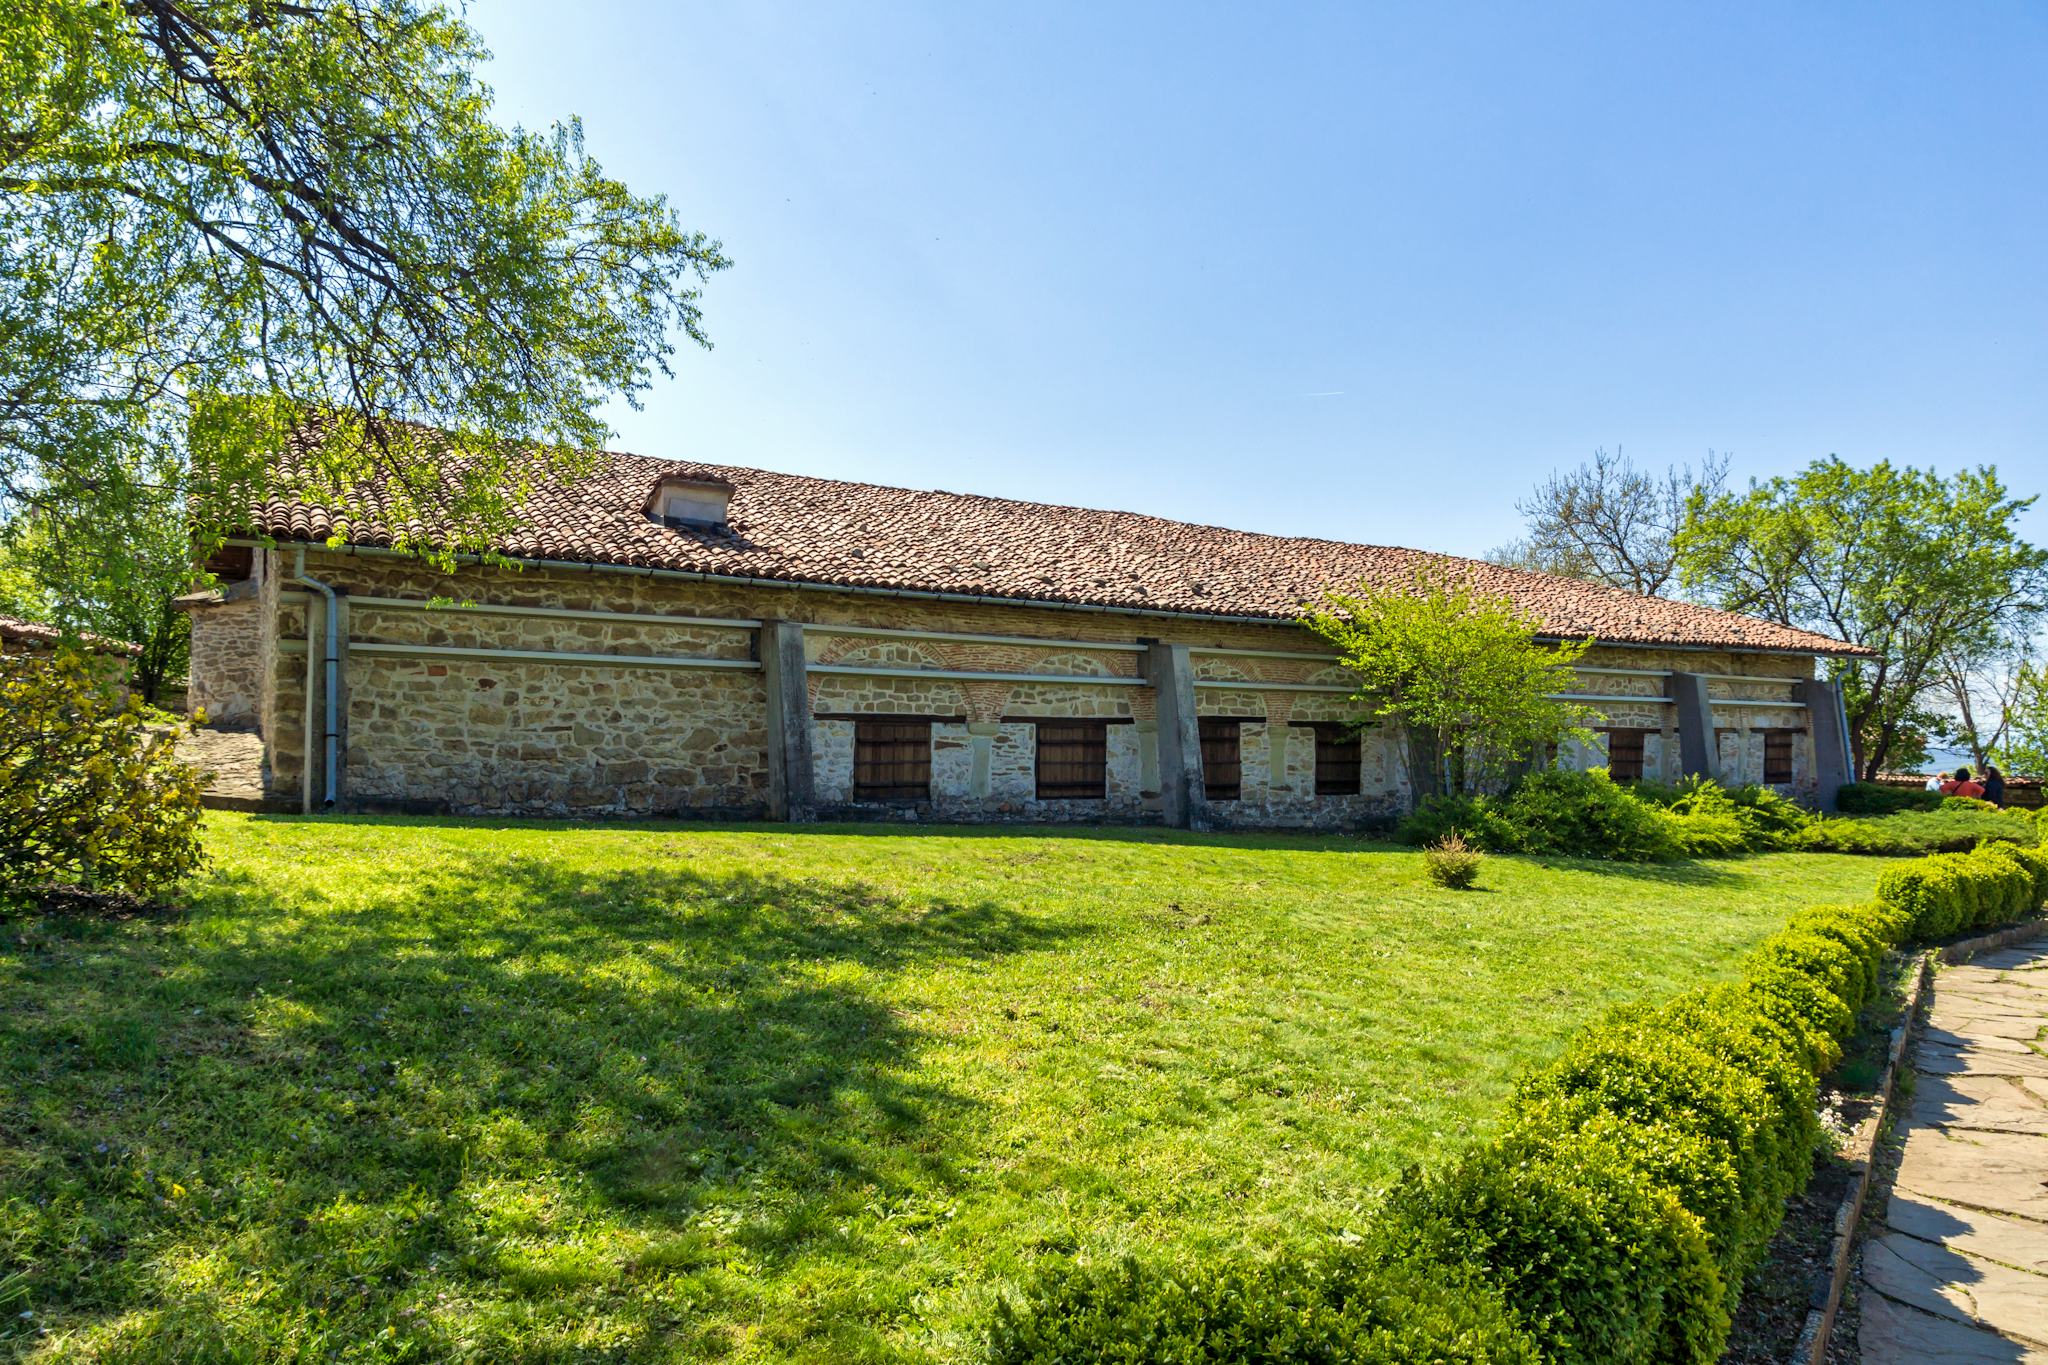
(686, 639)
(18, 636)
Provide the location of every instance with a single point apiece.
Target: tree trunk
(1425, 766)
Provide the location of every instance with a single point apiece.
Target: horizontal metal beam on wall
(1250, 685)
(1264, 654)
(894, 633)
(1786, 705)
(537, 656)
(558, 613)
(970, 675)
(1606, 697)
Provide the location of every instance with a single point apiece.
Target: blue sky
(1357, 271)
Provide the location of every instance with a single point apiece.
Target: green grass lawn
(432, 1090)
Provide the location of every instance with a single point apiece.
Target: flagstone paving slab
(2015, 1242)
(1893, 1334)
(1950, 1283)
(1973, 1061)
(2020, 1025)
(2003, 1172)
(1986, 1103)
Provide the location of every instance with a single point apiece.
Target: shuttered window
(1778, 755)
(1073, 760)
(1625, 753)
(1337, 760)
(1222, 767)
(892, 760)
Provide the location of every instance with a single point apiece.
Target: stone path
(1959, 1269)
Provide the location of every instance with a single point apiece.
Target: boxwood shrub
(1636, 1179)
(1955, 827)
(1357, 1303)
(1876, 798)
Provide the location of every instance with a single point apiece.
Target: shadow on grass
(1378, 841)
(1702, 873)
(389, 1098)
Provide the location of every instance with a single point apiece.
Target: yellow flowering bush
(91, 795)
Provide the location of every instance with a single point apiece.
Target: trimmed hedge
(1953, 827)
(1588, 815)
(1875, 798)
(1951, 892)
(1365, 1304)
(1635, 1181)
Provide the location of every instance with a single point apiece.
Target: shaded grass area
(420, 1089)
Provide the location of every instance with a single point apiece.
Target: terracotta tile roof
(790, 528)
(37, 635)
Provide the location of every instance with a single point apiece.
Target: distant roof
(796, 529)
(37, 635)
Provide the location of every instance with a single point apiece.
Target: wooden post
(791, 786)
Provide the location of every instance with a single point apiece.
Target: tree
(302, 205)
(1610, 522)
(109, 563)
(2023, 748)
(1912, 566)
(1462, 673)
(1981, 687)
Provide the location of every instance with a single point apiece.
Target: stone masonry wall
(227, 664)
(550, 736)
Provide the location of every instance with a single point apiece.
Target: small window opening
(892, 760)
(1778, 756)
(1073, 760)
(1625, 753)
(1338, 756)
(1222, 760)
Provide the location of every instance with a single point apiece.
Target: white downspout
(333, 679)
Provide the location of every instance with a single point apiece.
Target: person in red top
(1962, 784)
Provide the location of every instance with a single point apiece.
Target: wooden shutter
(1222, 764)
(1337, 761)
(1778, 755)
(1073, 760)
(892, 760)
(1625, 753)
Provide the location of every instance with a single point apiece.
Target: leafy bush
(89, 796)
(1709, 820)
(1706, 832)
(1473, 819)
(1875, 798)
(1952, 828)
(1452, 863)
(1771, 812)
(1354, 1304)
(1599, 1262)
(1951, 892)
(1693, 1121)
(1588, 815)
(1584, 815)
